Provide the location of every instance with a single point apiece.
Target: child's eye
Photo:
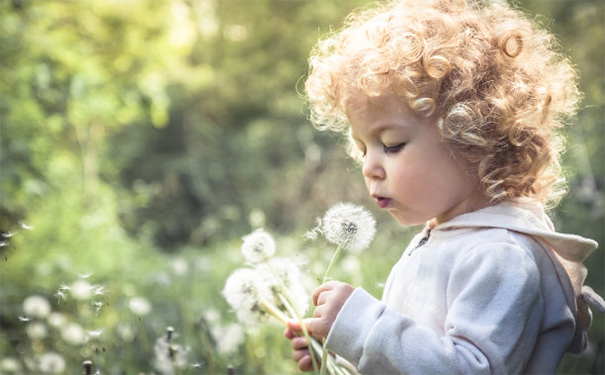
(393, 149)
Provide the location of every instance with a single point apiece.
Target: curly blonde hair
(493, 81)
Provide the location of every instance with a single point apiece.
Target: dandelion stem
(275, 312)
(334, 257)
(303, 326)
(324, 353)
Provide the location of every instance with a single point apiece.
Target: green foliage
(140, 136)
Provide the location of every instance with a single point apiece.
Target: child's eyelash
(393, 149)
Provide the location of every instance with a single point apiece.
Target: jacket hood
(527, 216)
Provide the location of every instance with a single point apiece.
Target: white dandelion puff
(57, 320)
(249, 297)
(258, 246)
(283, 277)
(36, 306)
(73, 333)
(36, 331)
(348, 224)
(81, 290)
(51, 363)
(139, 306)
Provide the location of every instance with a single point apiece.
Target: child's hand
(299, 345)
(329, 299)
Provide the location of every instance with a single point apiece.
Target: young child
(452, 108)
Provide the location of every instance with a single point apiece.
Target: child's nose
(372, 168)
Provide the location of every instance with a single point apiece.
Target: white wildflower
(245, 293)
(81, 290)
(348, 224)
(73, 333)
(139, 306)
(36, 331)
(36, 307)
(51, 363)
(258, 246)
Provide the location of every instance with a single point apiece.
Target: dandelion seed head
(36, 330)
(73, 333)
(244, 290)
(36, 307)
(51, 363)
(280, 273)
(10, 365)
(57, 320)
(139, 306)
(258, 246)
(349, 224)
(81, 290)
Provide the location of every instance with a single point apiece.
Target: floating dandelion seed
(24, 319)
(258, 246)
(60, 295)
(25, 226)
(7, 234)
(85, 275)
(95, 334)
(4, 243)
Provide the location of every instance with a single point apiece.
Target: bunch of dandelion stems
(315, 346)
(324, 352)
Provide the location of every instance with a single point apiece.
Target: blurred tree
(71, 73)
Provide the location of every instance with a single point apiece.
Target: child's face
(407, 170)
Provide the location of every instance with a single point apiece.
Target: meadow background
(141, 139)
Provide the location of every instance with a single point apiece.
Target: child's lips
(382, 201)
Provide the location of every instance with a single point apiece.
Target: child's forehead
(362, 103)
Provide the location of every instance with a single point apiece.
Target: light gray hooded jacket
(495, 291)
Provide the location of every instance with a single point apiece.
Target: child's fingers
(323, 288)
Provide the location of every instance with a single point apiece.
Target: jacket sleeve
(494, 310)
